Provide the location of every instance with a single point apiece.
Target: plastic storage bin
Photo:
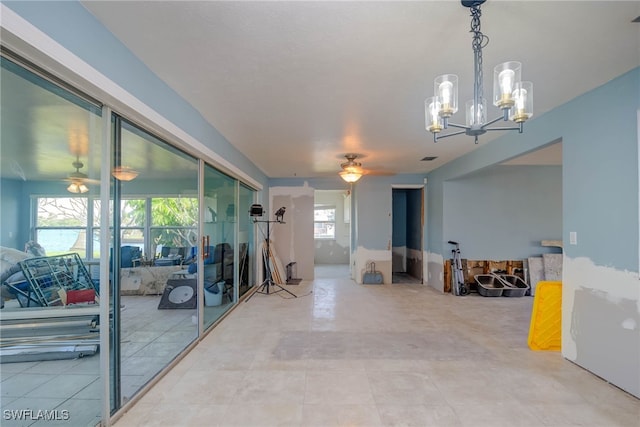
(213, 294)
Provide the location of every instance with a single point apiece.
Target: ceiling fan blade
(379, 172)
(85, 180)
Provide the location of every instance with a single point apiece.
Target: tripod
(268, 281)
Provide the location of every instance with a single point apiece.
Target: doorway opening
(332, 228)
(407, 235)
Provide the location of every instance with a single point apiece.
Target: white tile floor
(372, 355)
(151, 339)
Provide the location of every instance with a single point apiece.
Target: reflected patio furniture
(171, 255)
(218, 266)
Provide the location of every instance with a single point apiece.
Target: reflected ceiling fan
(353, 171)
(79, 180)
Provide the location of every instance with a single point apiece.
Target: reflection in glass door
(153, 282)
(245, 240)
(220, 251)
(50, 157)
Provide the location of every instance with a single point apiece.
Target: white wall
(291, 240)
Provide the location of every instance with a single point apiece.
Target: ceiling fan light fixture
(350, 176)
(77, 178)
(351, 170)
(77, 187)
(124, 173)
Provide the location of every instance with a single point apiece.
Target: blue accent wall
(600, 173)
(503, 212)
(407, 218)
(399, 237)
(12, 217)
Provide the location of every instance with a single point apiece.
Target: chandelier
(510, 94)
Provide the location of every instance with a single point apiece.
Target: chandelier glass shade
(510, 94)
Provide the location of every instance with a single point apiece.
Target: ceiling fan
(78, 180)
(353, 171)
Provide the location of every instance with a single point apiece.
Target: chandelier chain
(479, 41)
(510, 94)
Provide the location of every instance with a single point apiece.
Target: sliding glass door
(50, 166)
(164, 240)
(154, 287)
(220, 251)
(246, 249)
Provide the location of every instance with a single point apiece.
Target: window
(324, 225)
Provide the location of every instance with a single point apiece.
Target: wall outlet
(573, 238)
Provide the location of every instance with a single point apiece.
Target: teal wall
(375, 205)
(503, 212)
(14, 223)
(399, 237)
(407, 226)
(600, 173)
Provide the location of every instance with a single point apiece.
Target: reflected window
(169, 216)
(61, 224)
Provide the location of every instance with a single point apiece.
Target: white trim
(92, 81)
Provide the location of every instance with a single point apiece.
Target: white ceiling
(312, 81)
(296, 85)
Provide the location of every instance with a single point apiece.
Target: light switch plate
(573, 238)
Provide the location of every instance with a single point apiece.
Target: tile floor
(377, 355)
(151, 339)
